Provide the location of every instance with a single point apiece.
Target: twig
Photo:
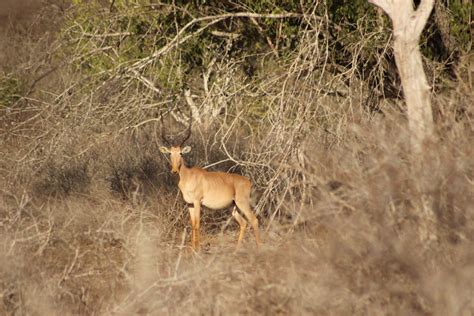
(269, 41)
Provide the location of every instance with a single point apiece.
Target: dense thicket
(302, 97)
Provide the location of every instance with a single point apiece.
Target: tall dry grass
(367, 230)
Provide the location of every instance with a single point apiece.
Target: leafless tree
(408, 24)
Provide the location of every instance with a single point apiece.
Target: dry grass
(91, 221)
(373, 232)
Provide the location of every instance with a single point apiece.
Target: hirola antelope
(215, 190)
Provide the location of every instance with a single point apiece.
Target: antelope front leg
(197, 224)
(193, 225)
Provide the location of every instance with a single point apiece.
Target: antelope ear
(186, 149)
(164, 150)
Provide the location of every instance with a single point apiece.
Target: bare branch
(147, 82)
(228, 35)
(421, 16)
(269, 41)
(193, 108)
(117, 34)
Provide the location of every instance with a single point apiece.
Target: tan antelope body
(215, 190)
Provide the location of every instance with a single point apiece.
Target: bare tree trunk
(408, 24)
(415, 89)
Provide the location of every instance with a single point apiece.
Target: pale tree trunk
(408, 24)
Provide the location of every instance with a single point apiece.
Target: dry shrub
(130, 176)
(59, 179)
(371, 230)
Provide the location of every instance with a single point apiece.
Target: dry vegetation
(92, 223)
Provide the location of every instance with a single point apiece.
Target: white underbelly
(216, 203)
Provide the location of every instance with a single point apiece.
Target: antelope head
(175, 151)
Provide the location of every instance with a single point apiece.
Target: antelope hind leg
(243, 225)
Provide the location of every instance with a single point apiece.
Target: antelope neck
(182, 167)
